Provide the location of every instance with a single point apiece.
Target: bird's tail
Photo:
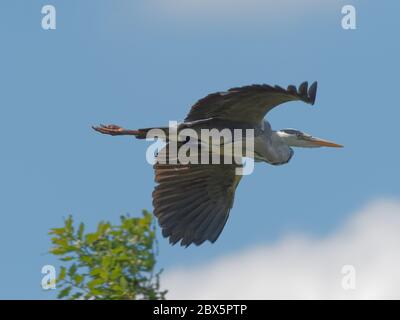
(150, 133)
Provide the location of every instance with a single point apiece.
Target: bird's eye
(299, 135)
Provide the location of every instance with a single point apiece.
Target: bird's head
(296, 138)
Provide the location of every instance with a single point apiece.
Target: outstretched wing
(192, 201)
(250, 103)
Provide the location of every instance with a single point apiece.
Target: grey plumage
(249, 104)
(192, 201)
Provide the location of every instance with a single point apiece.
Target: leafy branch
(114, 262)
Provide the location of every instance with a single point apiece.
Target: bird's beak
(323, 143)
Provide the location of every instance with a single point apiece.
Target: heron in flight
(192, 201)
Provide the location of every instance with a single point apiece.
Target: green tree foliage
(115, 262)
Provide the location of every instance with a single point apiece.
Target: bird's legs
(114, 130)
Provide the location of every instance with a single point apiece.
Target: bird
(192, 201)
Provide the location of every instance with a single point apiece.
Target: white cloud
(248, 9)
(300, 267)
(238, 5)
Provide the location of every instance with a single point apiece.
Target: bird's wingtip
(312, 92)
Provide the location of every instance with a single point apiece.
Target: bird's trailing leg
(115, 130)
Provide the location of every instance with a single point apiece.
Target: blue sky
(143, 63)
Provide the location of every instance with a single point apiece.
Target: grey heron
(192, 201)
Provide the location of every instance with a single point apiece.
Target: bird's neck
(277, 151)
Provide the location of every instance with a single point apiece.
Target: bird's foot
(111, 129)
